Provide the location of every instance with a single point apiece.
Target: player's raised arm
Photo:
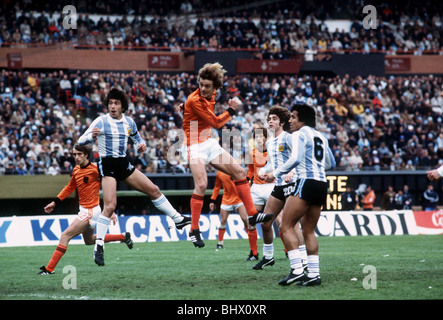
(92, 133)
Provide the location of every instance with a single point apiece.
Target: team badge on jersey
(281, 148)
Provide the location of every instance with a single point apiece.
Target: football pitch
(371, 267)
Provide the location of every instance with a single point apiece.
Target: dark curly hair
(117, 94)
(283, 114)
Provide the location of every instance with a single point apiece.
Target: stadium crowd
(278, 31)
(373, 123)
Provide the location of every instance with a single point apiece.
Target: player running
(198, 119)
(86, 179)
(113, 131)
(311, 156)
(231, 202)
(278, 150)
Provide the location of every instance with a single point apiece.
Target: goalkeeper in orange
(86, 179)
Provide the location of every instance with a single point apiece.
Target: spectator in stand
(349, 199)
(387, 201)
(368, 199)
(407, 197)
(430, 198)
(399, 200)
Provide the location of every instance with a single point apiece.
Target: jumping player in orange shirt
(86, 179)
(231, 202)
(198, 119)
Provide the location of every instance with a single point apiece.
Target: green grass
(407, 267)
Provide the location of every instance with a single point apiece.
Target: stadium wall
(51, 57)
(378, 64)
(46, 230)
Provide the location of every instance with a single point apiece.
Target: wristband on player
(232, 112)
(57, 201)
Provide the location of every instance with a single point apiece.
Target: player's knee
(66, 237)
(266, 226)
(154, 191)
(109, 208)
(201, 186)
(284, 228)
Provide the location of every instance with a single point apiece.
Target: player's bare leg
(142, 183)
(74, 229)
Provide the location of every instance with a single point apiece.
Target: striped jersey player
(112, 132)
(113, 136)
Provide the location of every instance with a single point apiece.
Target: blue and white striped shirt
(311, 155)
(279, 151)
(113, 136)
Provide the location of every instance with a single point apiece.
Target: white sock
(268, 250)
(102, 228)
(165, 206)
(303, 254)
(313, 266)
(295, 261)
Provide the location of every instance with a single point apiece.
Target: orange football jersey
(87, 181)
(199, 118)
(257, 160)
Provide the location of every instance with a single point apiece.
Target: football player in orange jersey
(86, 179)
(231, 202)
(198, 119)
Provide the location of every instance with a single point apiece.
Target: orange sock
(196, 209)
(244, 192)
(56, 256)
(114, 237)
(252, 237)
(221, 234)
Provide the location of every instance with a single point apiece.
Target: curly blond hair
(214, 72)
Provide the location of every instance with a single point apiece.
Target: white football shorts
(231, 207)
(260, 193)
(89, 214)
(207, 151)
